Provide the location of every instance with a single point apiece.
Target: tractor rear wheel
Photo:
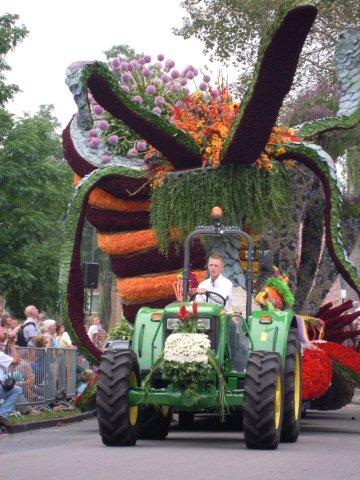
(118, 421)
(292, 389)
(154, 423)
(263, 400)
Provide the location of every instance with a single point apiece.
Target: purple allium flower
(103, 125)
(141, 145)
(146, 72)
(157, 111)
(189, 68)
(179, 104)
(93, 133)
(165, 78)
(126, 77)
(159, 101)
(196, 72)
(132, 152)
(206, 78)
(123, 65)
(160, 57)
(113, 139)
(203, 86)
(134, 63)
(94, 142)
(115, 62)
(190, 74)
(214, 93)
(186, 90)
(98, 110)
(183, 82)
(175, 74)
(147, 58)
(125, 89)
(174, 87)
(138, 99)
(151, 89)
(105, 158)
(169, 64)
(130, 67)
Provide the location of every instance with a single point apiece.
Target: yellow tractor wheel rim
(165, 410)
(277, 403)
(133, 411)
(297, 388)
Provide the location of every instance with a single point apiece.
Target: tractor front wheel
(154, 423)
(118, 421)
(263, 400)
(292, 389)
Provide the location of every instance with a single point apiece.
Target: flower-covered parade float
(154, 148)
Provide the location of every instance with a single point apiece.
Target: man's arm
(13, 352)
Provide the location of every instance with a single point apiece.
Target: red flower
(183, 314)
(316, 373)
(344, 355)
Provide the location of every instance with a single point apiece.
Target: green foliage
(231, 31)
(122, 331)
(35, 186)
(350, 375)
(185, 200)
(10, 36)
(283, 289)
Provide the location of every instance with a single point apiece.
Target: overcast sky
(65, 31)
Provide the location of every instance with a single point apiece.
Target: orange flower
(100, 199)
(150, 288)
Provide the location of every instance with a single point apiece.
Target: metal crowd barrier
(46, 375)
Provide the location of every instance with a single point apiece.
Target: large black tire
(337, 396)
(186, 420)
(292, 389)
(118, 422)
(154, 423)
(263, 400)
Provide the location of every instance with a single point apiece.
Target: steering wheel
(207, 295)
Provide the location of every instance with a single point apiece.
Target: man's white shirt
(221, 285)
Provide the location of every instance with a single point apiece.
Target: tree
(231, 31)
(35, 186)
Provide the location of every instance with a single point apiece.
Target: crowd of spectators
(27, 364)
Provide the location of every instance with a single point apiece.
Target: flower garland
(100, 199)
(150, 288)
(316, 373)
(126, 243)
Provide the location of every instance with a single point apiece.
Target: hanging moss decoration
(185, 200)
(283, 290)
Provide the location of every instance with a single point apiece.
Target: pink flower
(115, 63)
(93, 133)
(146, 72)
(132, 152)
(190, 75)
(165, 78)
(103, 125)
(123, 65)
(105, 158)
(141, 145)
(175, 74)
(159, 101)
(138, 99)
(147, 58)
(113, 139)
(203, 86)
(125, 89)
(151, 89)
(160, 57)
(169, 64)
(157, 111)
(98, 110)
(94, 142)
(183, 82)
(206, 78)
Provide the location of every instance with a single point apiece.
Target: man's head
(32, 312)
(94, 320)
(215, 265)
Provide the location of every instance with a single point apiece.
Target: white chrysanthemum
(187, 347)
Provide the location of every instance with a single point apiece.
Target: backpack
(21, 342)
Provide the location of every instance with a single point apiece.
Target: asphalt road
(328, 448)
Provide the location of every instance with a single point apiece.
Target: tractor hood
(204, 309)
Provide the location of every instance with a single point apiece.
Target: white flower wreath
(186, 348)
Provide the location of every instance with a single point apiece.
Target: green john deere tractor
(267, 393)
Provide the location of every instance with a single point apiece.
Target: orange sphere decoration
(216, 213)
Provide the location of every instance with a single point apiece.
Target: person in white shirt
(9, 397)
(94, 328)
(215, 283)
(235, 303)
(31, 325)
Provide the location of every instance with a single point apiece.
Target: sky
(65, 31)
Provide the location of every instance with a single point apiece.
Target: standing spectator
(7, 327)
(94, 328)
(30, 328)
(49, 328)
(11, 396)
(64, 338)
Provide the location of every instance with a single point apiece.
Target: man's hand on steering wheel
(207, 293)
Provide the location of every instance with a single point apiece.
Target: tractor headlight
(203, 323)
(171, 323)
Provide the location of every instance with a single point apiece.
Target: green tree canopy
(231, 31)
